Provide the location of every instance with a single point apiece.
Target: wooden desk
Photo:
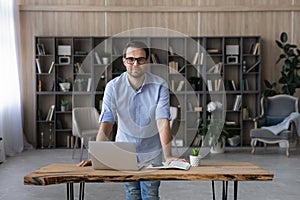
(208, 171)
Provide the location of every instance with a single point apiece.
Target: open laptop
(113, 155)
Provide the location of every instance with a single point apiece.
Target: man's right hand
(85, 163)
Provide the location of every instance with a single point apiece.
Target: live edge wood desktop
(208, 171)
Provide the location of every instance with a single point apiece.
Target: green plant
(270, 89)
(212, 132)
(79, 80)
(290, 56)
(106, 54)
(195, 152)
(64, 103)
(62, 80)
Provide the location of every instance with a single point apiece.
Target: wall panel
(267, 18)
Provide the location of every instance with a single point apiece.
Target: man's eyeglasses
(140, 60)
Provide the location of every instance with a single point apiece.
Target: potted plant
(214, 134)
(80, 82)
(64, 85)
(195, 158)
(290, 55)
(64, 105)
(105, 57)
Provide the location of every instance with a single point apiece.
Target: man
(139, 102)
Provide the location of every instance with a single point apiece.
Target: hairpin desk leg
(213, 189)
(235, 189)
(81, 191)
(70, 191)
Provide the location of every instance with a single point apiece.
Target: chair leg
(253, 144)
(81, 148)
(75, 147)
(297, 144)
(265, 146)
(287, 148)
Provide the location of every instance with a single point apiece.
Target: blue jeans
(142, 190)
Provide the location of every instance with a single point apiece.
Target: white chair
(85, 125)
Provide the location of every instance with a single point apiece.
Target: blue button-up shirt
(136, 112)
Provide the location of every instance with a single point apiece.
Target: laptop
(113, 155)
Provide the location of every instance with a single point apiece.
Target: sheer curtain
(11, 129)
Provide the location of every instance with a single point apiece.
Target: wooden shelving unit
(192, 81)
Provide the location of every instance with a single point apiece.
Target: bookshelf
(195, 78)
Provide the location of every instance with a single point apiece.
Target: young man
(139, 102)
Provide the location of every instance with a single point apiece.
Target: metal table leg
(81, 191)
(70, 191)
(235, 189)
(225, 190)
(213, 189)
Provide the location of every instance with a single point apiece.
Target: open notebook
(171, 165)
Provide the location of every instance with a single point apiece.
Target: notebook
(171, 165)
(113, 155)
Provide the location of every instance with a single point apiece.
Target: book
(218, 84)
(173, 67)
(40, 49)
(237, 103)
(201, 55)
(195, 59)
(51, 67)
(209, 85)
(245, 84)
(154, 58)
(198, 109)
(245, 113)
(89, 84)
(79, 68)
(40, 85)
(180, 86)
(171, 165)
(233, 85)
(256, 49)
(212, 51)
(171, 51)
(50, 113)
(98, 58)
(213, 69)
(81, 53)
(172, 85)
(252, 67)
(38, 64)
(230, 123)
(251, 48)
(217, 68)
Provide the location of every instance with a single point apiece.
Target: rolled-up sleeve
(163, 107)
(108, 111)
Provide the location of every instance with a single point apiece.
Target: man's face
(135, 62)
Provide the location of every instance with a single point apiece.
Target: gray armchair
(85, 125)
(273, 111)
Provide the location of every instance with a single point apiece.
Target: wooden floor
(285, 185)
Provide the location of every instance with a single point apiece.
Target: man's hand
(170, 159)
(84, 163)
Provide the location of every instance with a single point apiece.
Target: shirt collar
(145, 81)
